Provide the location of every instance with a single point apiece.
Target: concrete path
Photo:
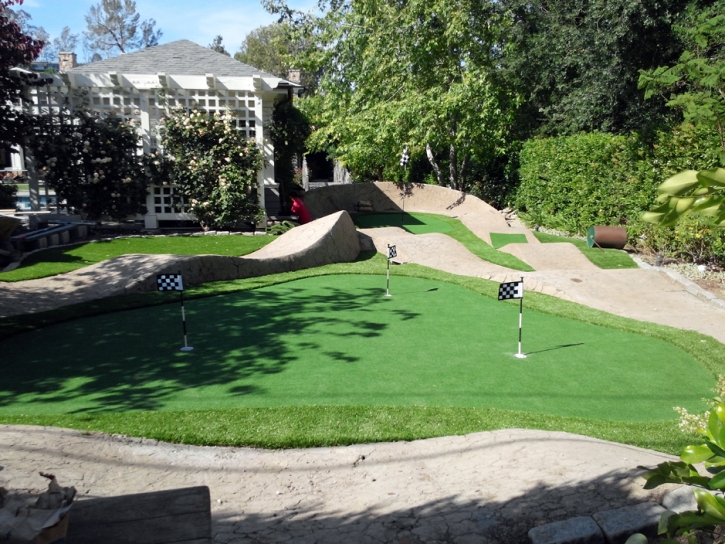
(482, 488)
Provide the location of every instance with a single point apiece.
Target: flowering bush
(214, 166)
(93, 164)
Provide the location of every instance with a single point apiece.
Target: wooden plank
(161, 517)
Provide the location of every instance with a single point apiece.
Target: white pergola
(135, 86)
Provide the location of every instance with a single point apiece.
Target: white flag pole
(387, 276)
(186, 347)
(520, 355)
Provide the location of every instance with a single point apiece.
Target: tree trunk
(453, 167)
(433, 163)
(463, 172)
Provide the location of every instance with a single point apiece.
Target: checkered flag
(404, 158)
(169, 282)
(392, 252)
(514, 289)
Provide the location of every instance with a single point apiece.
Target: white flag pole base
(187, 348)
(520, 355)
(388, 295)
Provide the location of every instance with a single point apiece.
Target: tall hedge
(573, 182)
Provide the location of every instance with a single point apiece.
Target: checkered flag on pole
(392, 252)
(404, 158)
(513, 289)
(169, 282)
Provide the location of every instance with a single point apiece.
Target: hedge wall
(573, 182)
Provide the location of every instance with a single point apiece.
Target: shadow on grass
(131, 360)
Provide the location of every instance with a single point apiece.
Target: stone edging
(690, 286)
(614, 526)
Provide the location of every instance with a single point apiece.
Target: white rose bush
(214, 166)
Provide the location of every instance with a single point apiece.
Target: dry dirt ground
(484, 487)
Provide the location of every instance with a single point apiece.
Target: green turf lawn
(337, 340)
(102, 383)
(603, 258)
(500, 240)
(59, 260)
(421, 223)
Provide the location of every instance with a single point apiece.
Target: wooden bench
(159, 517)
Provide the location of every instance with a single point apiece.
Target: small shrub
(8, 198)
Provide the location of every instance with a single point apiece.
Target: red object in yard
(300, 210)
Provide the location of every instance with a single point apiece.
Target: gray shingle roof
(179, 58)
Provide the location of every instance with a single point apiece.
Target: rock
(621, 523)
(579, 530)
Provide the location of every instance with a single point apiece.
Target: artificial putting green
(499, 240)
(59, 260)
(335, 340)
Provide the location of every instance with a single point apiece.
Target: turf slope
(335, 340)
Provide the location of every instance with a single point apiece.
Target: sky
(196, 20)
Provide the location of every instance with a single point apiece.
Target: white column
(259, 138)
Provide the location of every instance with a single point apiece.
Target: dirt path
(484, 487)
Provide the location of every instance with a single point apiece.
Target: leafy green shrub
(571, 183)
(215, 167)
(92, 164)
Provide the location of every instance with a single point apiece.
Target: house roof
(179, 58)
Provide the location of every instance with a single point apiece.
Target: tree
(214, 166)
(16, 49)
(91, 163)
(216, 45)
(115, 27)
(66, 41)
(577, 62)
(273, 48)
(697, 80)
(420, 73)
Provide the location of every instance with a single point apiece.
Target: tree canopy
(113, 27)
(420, 74)
(16, 49)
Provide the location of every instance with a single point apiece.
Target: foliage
(113, 27)
(65, 42)
(272, 49)
(59, 260)
(577, 62)
(692, 423)
(421, 74)
(570, 183)
(698, 78)
(8, 194)
(16, 49)
(214, 166)
(709, 517)
(280, 228)
(690, 191)
(288, 131)
(218, 46)
(91, 163)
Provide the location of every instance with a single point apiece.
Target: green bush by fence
(570, 183)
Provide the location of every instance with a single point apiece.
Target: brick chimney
(294, 75)
(66, 61)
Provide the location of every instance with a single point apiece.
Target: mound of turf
(420, 223)
(499, 240)
(59, 260)
(603, 258)
(335, 340)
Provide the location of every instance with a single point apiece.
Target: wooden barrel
(607, 237)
